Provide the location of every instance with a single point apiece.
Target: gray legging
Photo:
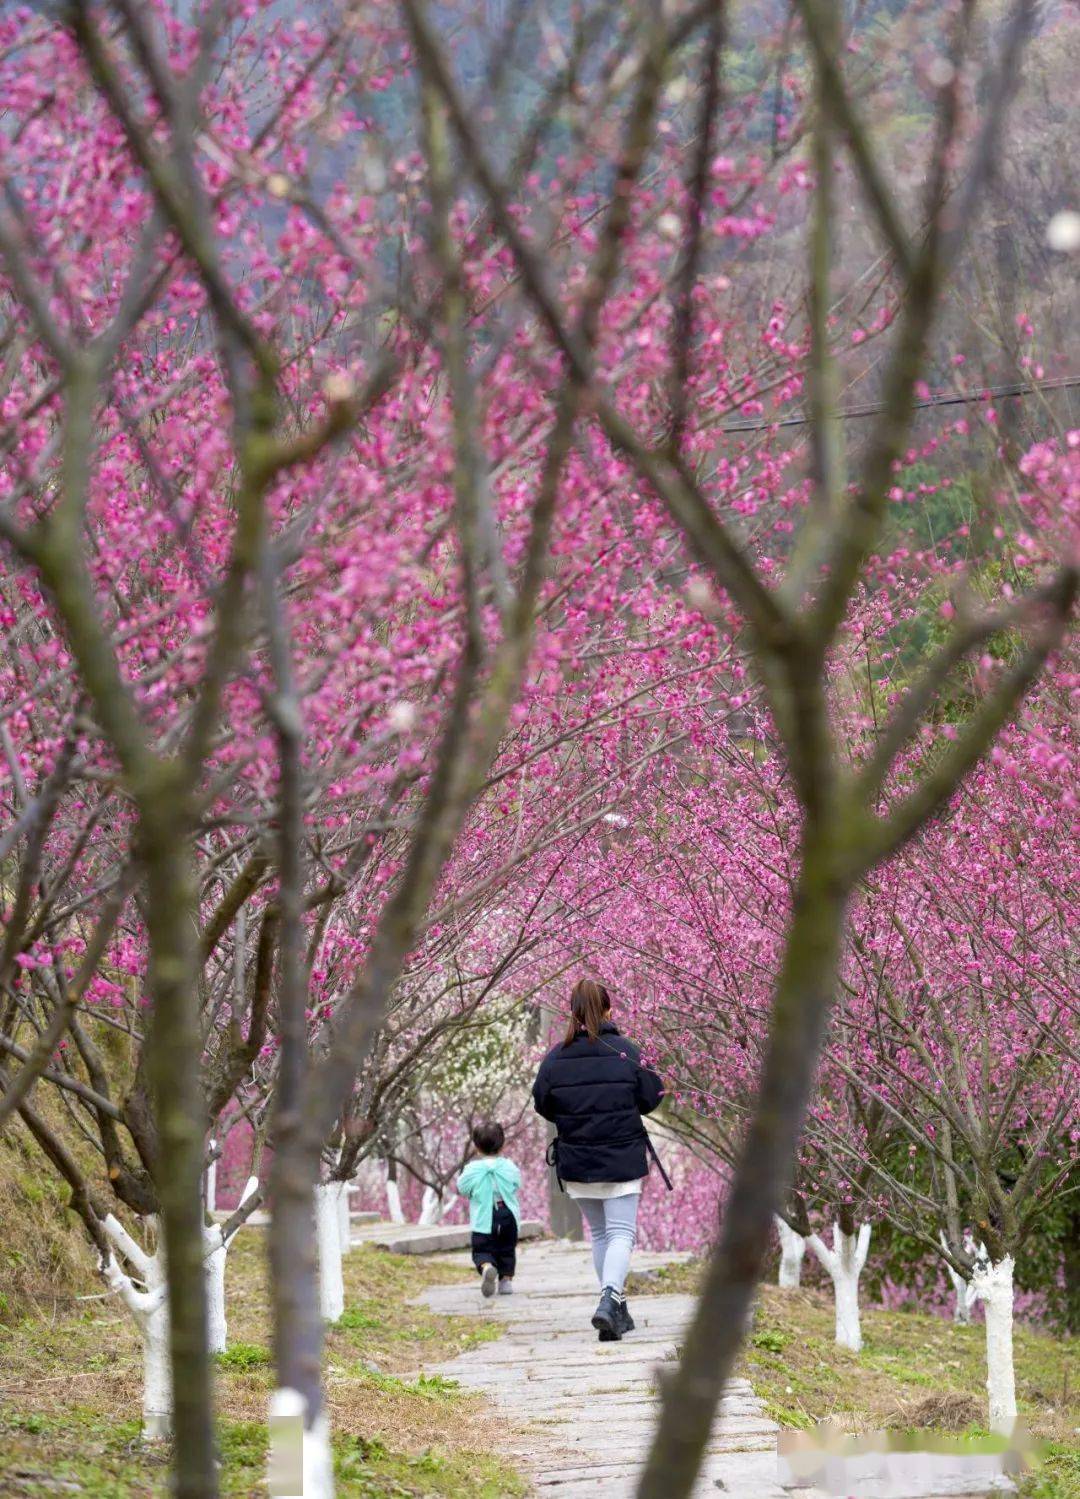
(613, 1227)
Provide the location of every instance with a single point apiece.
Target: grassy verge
(44, 1258)
(70, 1393)
(914, 1372)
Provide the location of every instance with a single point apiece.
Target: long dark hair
(590, 1005)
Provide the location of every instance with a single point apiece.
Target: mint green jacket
(481, 1182)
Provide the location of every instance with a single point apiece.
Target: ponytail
(590, 1006)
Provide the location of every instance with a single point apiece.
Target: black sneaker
(626, 1322)
(607, 1318)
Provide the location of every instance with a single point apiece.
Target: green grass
(45, 1261)
(1059, 1477)
(70, 1393)
(426, 1386)
(81, 1452)
(365, 1466)
(243, 1356)
(679, 1279)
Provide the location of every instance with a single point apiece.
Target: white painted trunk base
(792, 1249)
(963, 1290)
(433, 1208)
(964, 1297)
(328, 1247)
(214, 1270)
(344, 1226)
(216, 1250)
(844, 1263)
(157, 1376)
(393, 1201)
(848, 1324)
(211, 1183)
(149, 1309)
(992, 1284)
(301, 1460)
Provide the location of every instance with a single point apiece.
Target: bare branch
(38, 1059)
(905, 719)
(834, 97)
(687, 274)
(976, 736)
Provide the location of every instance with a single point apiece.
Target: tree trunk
(792, 1249)
(173, 1053)
(328, 1239)
(431, 1207)
(215, 1256)
(157, 1377)
(1072, 1265)
(993, 1285)
(301, 1435)
(963, 1297)
(149, 1309)
(299, 1292)
(844, 1263)
(962, 1304)
(301, 1458)
(804, 992)
(211, 1184)
(300, 1440)
(344, 1222)
(214, 1265)
(393, 1194)
(846, 1291)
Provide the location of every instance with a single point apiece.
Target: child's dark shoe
(506, 1286)
(606, 1319)
(626, 1322)
(489, 1280)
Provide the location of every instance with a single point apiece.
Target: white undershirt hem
(604, 1189)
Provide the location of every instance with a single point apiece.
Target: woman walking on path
(594, 1090)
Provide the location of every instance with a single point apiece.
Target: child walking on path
(491, 1186)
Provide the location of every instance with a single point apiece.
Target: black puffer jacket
(595, 1092)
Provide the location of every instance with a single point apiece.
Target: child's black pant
(499, 1247)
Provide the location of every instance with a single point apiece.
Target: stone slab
(415, 1238)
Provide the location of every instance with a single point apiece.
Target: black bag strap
(651, 1148)
(551, 1156)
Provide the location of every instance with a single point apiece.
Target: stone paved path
(585, 1410)
(580, 1413)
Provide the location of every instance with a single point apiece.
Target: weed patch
(243, 1356)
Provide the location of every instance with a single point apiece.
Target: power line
(960, 398)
